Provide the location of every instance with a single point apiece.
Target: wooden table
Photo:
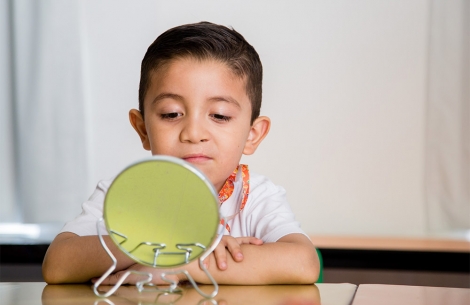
(410, 295)
(40, 293)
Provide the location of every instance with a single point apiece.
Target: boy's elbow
(57, 263)
(49, 278)
(50, 273)
(55, 275)
(310, 267)
(310, 276)
(52, 270)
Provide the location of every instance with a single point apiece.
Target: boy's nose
(194, 131)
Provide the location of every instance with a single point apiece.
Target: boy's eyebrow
(227, 99)
(162, 96)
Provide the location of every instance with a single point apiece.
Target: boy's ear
(259, 130)
(139, 125)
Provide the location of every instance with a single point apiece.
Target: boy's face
(199, 111)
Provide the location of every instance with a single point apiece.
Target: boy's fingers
(111, 279)
(255, 241)
(221, 257)
(233, 247)
(249, 240)
(117, 276)
(207, 262)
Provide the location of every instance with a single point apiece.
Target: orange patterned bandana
(227, 189)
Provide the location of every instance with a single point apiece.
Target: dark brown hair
(204, 41)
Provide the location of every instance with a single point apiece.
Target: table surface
(410, 295)
(41, 293)
(319, 294)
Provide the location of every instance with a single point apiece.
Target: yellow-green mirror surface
(157, 209)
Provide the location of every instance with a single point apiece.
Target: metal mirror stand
(147, 281)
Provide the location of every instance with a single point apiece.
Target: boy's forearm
(77, 259)
(292, 260)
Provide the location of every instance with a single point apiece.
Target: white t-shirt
(266, 215)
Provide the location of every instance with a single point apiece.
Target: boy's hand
(232, 244)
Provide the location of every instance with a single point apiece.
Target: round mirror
(162, 212)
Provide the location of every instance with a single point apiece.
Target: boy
(199, 100)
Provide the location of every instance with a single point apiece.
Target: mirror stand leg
(112, 268)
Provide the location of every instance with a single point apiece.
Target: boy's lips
(196, 158)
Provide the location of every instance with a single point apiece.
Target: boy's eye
(170, 116)
(220, 117)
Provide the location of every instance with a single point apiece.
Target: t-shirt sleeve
(270, 216)
(92, 210)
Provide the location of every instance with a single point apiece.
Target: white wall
(8, 210)
(344, 86)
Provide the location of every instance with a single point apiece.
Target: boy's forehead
(161, 79)
(166, 65)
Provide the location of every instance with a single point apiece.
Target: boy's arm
(76, 259)
(290, 260)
